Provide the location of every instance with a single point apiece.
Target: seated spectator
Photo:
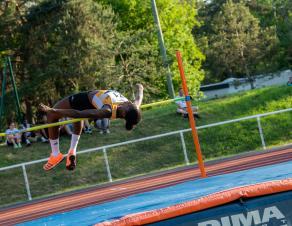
(289, 83)
(87, 127)
(182, 107)
(13, 137)
(103, 125)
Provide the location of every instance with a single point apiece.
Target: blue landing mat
(165, 197)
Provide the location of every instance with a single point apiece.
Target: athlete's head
(132, 115)
(131, 111)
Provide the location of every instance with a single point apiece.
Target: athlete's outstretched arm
(90, 113)
(139, 95)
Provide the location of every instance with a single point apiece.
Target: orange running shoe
(71, 161)
(53, 161)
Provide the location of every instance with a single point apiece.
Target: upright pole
(191, 117)
(15, 90)
(261, 132)
(162, 49)
(26, 182)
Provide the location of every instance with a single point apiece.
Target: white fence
(104, 148)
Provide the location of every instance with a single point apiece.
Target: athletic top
(12, 131)
(181, 103)
(108, 97)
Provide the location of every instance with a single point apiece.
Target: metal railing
(180, 132)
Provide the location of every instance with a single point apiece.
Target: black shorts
(80, 101)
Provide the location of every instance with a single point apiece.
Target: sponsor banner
(272, 210)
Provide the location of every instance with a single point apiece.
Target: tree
(11, 19)
(274, 16)
(238, 45)
(132, 14)
(177, 20)
(67, 47)
(277, 13)
(137, 62)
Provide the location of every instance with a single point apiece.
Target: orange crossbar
(206, 202)
(191, 117)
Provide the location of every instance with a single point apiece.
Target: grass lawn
(153, 155)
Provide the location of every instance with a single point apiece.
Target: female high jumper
(95, 104)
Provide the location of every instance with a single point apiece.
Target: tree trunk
(28, 113)
(250, 78)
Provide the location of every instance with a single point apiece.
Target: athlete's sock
(55, 146)
(74, 143)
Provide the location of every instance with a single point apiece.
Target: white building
(235, 85)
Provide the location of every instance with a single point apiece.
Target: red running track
(117, 190)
